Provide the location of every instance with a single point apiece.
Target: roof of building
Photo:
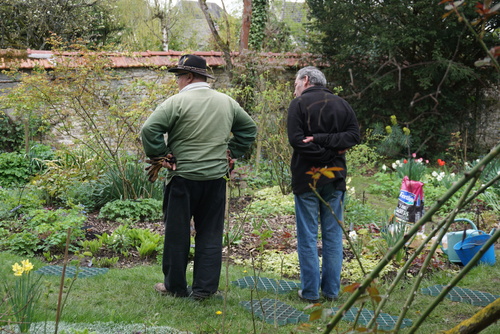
(29, 59)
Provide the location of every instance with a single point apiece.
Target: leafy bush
(15, 201)
(277, 262)
(11, 134)
(44, 230)
(361, 159)
(124, 238)
(359, 214)
(385, 184)
(38, 154)
(271, 202)
(128, 182)
(139, 210)
(69, 177)
(14, 169)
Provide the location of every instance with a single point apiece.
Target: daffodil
(27, 266)
(18, 270)
(24, 294)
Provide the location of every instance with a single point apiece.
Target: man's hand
(308, 139)
(230, 161)
(170, 162)
(157, 163)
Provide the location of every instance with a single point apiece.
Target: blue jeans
(311, 212)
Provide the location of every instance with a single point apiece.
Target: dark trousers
(204, 201)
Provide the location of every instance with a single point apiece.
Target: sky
(237, 5)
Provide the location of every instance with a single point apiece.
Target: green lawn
(126, 296)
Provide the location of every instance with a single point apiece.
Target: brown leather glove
(156, 164)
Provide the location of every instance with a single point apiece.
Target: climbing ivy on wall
(259, 20)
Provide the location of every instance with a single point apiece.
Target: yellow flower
(388, 129)
(17, 269)
(218, 312)
(27, 266)
(394, 120)
(406, 131)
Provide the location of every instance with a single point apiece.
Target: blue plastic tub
(467, 248)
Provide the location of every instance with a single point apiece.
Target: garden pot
(469, 247)
(452, 238)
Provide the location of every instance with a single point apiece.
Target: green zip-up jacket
(200, 125)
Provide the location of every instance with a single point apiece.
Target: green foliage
(283, 264)
(92, 246)
(391, 140)
(351, 271)
(43, 230)
(70, 177)
(420, 67)
(359, 214)
(27, 26)
(127, 181)
(124, 238)
(415, 169)
(138, 210)
(38, 154)
(90, 106)
(386, 184)
(258, 25)
(271, 105)
(105, 262)
(24, 295)
(14, 169)
(18, 201)
(11, 134)
(271, 202)
(361, 159)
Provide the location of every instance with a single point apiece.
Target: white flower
(434, 173)
(353, 235)
(394, 165)
(384, 168)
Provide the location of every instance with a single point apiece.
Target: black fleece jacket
(332, 123)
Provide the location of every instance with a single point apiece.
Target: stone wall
(488, 124)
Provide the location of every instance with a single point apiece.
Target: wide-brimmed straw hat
(192, 63)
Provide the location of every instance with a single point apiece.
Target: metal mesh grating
(273, 311)
(268, 284)
(83, 272)
(385, 321)
(458, 294)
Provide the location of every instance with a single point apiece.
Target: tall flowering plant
(414, 168)
(24, 295)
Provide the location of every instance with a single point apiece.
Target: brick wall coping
(29, 59)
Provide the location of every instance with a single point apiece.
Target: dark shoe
(200, 297)
(311, 301)
(330, 299)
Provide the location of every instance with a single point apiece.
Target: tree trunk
(223, 45)
(246, 20)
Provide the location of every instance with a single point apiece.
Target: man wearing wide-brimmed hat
(206, 129)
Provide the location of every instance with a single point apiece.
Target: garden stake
(61, 285)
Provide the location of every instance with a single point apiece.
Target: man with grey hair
(321, 127)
